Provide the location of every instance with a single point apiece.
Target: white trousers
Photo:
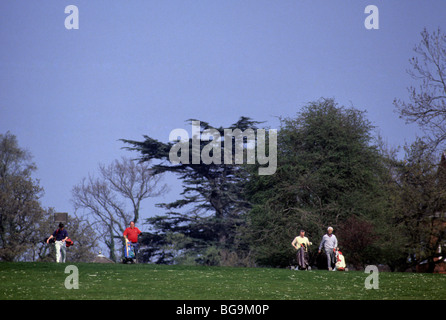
(61, 251)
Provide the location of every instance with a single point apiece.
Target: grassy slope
(117, 281)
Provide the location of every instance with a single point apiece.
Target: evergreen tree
(202, 226)
(328, 171)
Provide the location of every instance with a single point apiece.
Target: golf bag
(340, 260)
(69, 242)
(129, 252)
(303, 257)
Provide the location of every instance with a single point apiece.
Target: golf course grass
(28, 281)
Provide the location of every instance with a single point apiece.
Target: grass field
(23, 281)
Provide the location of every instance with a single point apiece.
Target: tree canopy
(328, 171)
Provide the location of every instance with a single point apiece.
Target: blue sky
(144, 67)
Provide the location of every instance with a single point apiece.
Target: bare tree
(106, 199)
(427, 105)
(83, 235)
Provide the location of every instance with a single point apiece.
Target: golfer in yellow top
(301, 244)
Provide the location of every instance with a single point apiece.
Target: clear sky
(144, 67)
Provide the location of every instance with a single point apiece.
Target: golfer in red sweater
(131, 234)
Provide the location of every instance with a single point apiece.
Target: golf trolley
(129, 253)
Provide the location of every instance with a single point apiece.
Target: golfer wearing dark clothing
(60, 235)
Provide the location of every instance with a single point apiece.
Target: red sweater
(132, 234)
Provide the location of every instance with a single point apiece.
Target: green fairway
(117, 281)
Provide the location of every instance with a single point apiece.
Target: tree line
(332, 169)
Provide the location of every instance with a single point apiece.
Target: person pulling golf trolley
(302, 244)
(131, 243)
(330, 244)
